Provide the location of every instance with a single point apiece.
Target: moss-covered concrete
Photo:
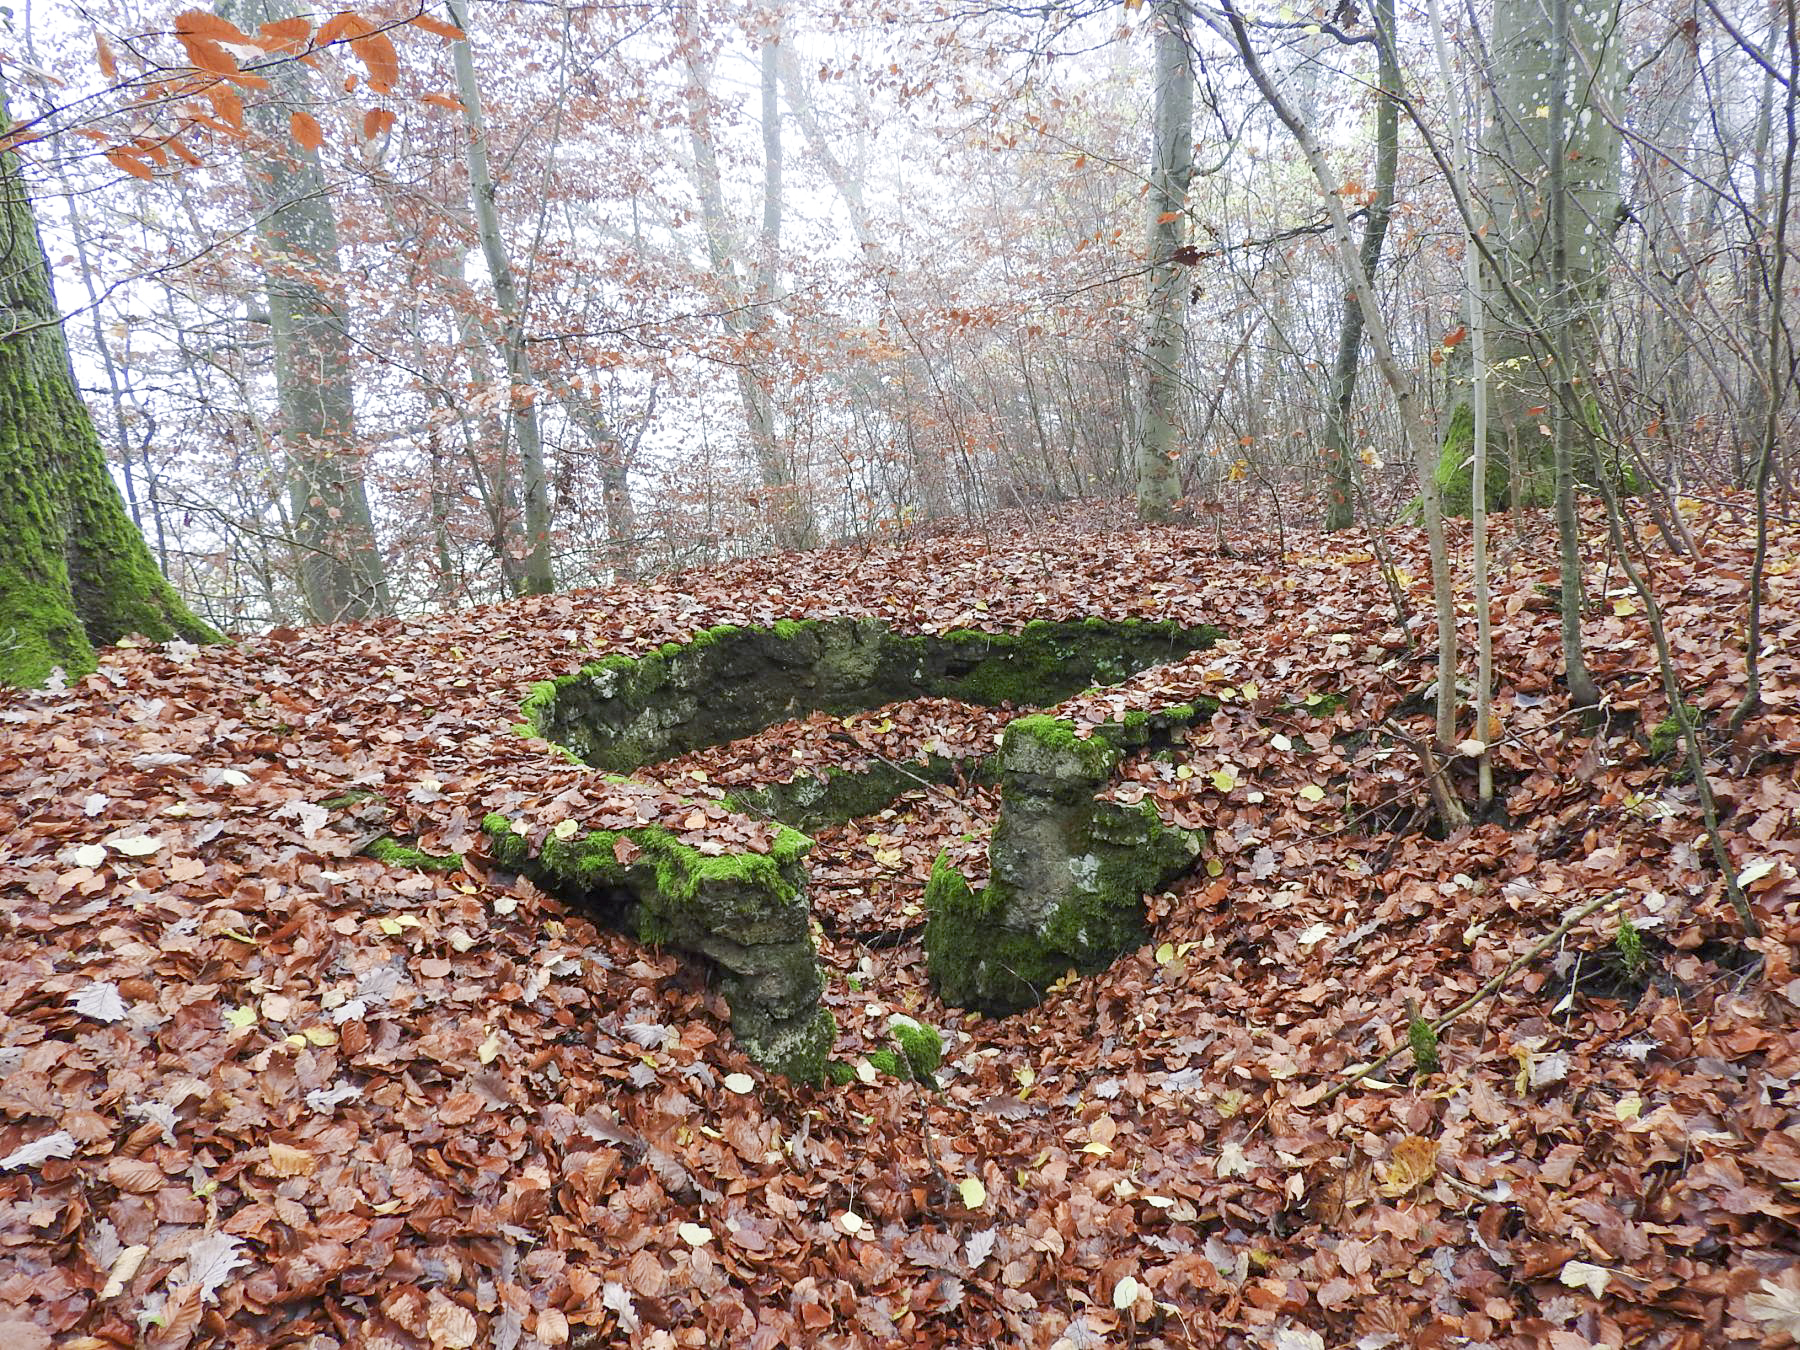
(622, 712)
(1068, 872)
(811, 801)
(744, 911)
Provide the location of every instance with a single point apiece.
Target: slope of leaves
(258, 1088)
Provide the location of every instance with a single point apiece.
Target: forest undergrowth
(260, 1088)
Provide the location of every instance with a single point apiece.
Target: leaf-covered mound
(258, 1088)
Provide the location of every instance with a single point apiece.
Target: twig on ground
(1486, 991)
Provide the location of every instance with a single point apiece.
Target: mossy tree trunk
(75, 572)
(1520, 150)
(1339, 511)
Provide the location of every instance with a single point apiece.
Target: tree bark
(341, 573)
(1339, 511)
(75, 572)
(539, 577)
(791, 520)
(1172, 165)
(1521, 151)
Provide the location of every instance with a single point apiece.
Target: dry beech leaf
(287, 1161)
(136, 1176)
(1413, 1164)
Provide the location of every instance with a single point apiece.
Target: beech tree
(75, 571)
(1551, 177)
(1172, 165)
(341, 574)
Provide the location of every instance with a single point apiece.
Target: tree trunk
(791, 520)
(341, 575)
(75, 573)
(1412, 415)
(539, 578)
(1520, 152)
(1339, 511)
(1558, 314)
(1172, 165)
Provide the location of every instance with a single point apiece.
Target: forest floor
(259, 1089)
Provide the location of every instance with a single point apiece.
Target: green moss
(809, 801)
(350, 797)
(1629, 945)
(800, 1050)
(396, 854)
(1424, 1043)
(1324, 705)
(973, 961)
(1049, 746)
(537, 703)
(921, 1047)
(888, 1062)
(839, 1073)
(1455, 469)
(1665, 736)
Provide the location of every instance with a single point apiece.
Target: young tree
(1339, 513)
(75, 572)
(1413, 415)
(539, 578)
(746, 301)
(1172, 165)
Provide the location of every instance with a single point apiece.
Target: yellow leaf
(974, 1194)
(1095, 1147)
(1312, 792)
(1165, 954)
(1624, 606)
(1214, 868)
(1222, 780)
(1414, 1163)
(389, 926)
(287, 1161)
(1628, 1108)
(565, 829)
(490, 1048)
(320, 1036)
(240, 1018)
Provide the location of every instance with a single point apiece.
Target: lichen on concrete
(1069, 871)
(744, 911)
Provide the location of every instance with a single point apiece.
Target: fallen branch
(1479, 996)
